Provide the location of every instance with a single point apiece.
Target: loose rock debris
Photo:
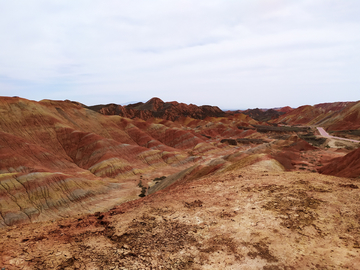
(278, 221)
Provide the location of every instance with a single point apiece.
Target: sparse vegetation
(248, 141)
(312, 139)
(355, 134)
(282, 129)
(143, 189)
(157, 180)
(229, 141)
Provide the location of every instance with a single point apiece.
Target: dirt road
(325, 134)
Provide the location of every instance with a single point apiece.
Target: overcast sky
(235, 54)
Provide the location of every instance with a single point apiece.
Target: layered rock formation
(263, 115)
(62, 143)
(220, 192)
(53, 153)
(155, 107)
(332, 116)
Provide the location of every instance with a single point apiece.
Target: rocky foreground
(258, 217)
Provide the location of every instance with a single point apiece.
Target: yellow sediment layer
(151, 157)
(267, 165)
(246, 161)
(29, 195)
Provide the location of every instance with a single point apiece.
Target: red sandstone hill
(285, 109)
(57, 156)
(332, 116)
(155, 107)
(263, 115)
(347, 166)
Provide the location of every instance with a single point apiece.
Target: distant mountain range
(155, 107)
(332, 116)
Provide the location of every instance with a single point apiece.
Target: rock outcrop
(263, 115)
(155, 107)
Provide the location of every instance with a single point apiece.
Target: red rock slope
(332, 116)
(55, 155)
(347, 166)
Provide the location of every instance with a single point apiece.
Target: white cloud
(229, 53)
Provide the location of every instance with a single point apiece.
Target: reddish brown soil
(347, 166)
(285, 109)
(244, 219)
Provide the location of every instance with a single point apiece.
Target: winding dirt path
(325, 134)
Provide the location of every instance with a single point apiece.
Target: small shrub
(143, 192)
(159, 178)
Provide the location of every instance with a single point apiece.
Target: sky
(235, 54)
